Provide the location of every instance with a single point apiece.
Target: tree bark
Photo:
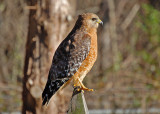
(47, 26)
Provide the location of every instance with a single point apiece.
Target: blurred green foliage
(148, 48)
(149, 24)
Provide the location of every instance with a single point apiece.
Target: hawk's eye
(93, 19)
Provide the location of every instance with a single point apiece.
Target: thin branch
(130, 17)
(113, 32)
(31, 7)
(120, 8)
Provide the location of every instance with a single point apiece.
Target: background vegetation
(128, 65)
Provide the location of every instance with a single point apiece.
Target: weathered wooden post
(78, 103)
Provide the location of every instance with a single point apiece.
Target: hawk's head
(89, 20)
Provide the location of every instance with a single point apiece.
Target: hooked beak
(99, 21)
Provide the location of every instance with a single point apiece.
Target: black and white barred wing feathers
(67, 59)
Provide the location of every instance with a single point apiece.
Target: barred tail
(51, 88)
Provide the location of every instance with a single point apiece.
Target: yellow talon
(82, 87)
(86, 89)
(91, 90)
(78, 89)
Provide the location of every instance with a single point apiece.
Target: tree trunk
(47, 27)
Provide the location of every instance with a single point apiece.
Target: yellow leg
(82, 87)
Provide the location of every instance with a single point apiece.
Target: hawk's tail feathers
(51, 88)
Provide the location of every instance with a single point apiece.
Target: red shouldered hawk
(74, 57)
